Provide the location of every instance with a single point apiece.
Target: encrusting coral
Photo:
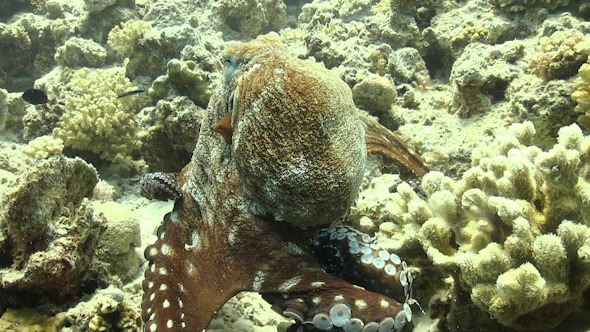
(522, 5)
(94, 118)
(183, 75)
(516, 226)
(47, 230)
(108, 310)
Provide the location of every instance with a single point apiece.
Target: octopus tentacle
(160, 186)
(350, 254)
(382, 141)
(181, 292)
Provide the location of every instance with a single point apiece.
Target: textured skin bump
(298, 142)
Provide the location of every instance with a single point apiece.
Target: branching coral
(121, 38)
(515, 226)
(95, 119)
(582, 95)
(44, 146)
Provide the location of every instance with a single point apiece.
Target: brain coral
(95, 119)
(516, 226)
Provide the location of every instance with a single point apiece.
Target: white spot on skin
(384, 304)
(170, 323)
(153, 296)
(174, 216)
(294, 248)
(316, 300)
(231, 238)
(150, 284)
(317, 284)
(181, 287)
(163, 287)
(162, 235)
(166, 304)
(258, 280)
(360, 304)
(163, 271)
(153, 251)
(338, 298)
(153, 268)
(287, 285)
(196, 241)
(153, 327)
(183, 324)
(166, 250)
(181, 305)
(191, 269)
(152, 316)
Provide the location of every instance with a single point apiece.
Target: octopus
(279, 160)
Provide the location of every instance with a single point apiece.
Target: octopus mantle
(223, 236)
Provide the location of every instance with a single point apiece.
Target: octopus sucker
(253, 207)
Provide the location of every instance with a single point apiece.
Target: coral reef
(251, 17)
(186, 77)
(49, 235)
(27, 320)
(123, 37)
(43, 147)
(172, 130)
(582, 95)
(118, 242)
(95, 119)
(79, 52)
(476, 86)
(515, 225)
(109, 309)
(375, 94)
(520, 5)
(561, 54)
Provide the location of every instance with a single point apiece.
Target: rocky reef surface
(493, 94)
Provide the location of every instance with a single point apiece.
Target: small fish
(131, 93)
(35, 96)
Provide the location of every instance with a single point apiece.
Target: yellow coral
(121, 39)
(95, 119)
(44, 146)
(582, 95)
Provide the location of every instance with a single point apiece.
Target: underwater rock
(49, 235)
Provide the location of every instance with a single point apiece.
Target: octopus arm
(183, 290)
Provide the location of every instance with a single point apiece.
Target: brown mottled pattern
(219, 240)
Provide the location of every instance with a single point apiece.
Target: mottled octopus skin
(219, 240)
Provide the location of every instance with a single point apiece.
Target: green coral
(515, 226)
(95, 119)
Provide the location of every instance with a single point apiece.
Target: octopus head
(297, 139)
